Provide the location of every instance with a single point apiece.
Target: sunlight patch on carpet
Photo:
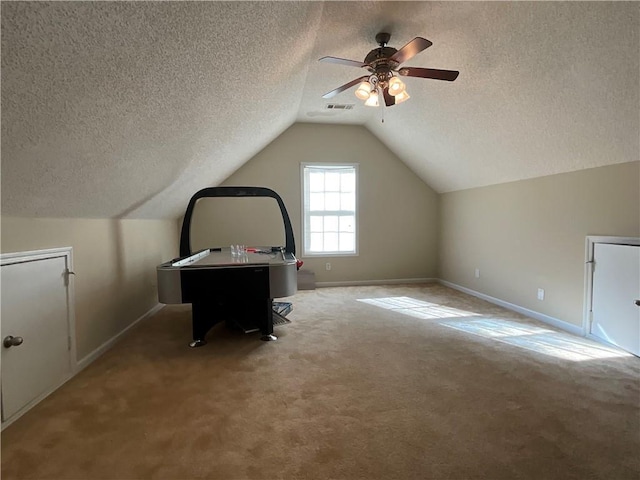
(417, 308)
(537, 339)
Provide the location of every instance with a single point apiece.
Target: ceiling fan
(383, 64)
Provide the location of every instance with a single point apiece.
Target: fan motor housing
(378, 54)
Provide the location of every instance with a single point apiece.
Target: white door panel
(616, 287)
(34, 307)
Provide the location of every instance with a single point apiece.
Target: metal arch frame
(185, 235)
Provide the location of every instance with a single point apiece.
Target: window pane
(348, 202)
(348, 182)
(315, 243)
(330, 242)
(331, 223)
(316, 181)
(347, 224)
(316, 202)
(347, 242)
(332, 182)
(315, 224)
(332, 201)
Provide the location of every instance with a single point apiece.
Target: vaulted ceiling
(125, 109)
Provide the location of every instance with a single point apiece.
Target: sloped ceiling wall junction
(125, 109)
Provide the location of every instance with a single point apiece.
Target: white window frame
(303, 190)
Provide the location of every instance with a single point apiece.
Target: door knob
(10, 341)
(638, 303)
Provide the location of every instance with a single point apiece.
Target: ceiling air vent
(339, 106)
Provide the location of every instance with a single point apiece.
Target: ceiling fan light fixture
(372, 101)
(402, 96)
(384, 67)
(396, 86)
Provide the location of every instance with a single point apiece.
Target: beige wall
(531, 234)
(114, 261)
(398, 213)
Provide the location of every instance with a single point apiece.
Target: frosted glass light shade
(364, 91)
(402, 96)
(372, 101)
(396, 86)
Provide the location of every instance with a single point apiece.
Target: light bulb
(364, 91)
(402, 96)
(396, 86)
(372, 101)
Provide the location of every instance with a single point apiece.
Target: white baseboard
(87, 360)
(561, 324)
(366, 283)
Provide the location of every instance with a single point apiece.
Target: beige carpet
(349, 391)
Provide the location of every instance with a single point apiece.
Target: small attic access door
(38, 337)
(614, 310)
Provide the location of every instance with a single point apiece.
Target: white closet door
(34, 308)
(616, 288)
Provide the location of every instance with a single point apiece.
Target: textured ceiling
(125, 109)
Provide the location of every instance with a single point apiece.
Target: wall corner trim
(561, 324)
(91, 357)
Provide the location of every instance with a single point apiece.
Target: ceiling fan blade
(344, 87)
(449, 75)
(389, 100)
(412, 48)
(343, 61)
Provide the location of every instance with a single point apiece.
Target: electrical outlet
(477, 273)
(541, 294)
(327, 266)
